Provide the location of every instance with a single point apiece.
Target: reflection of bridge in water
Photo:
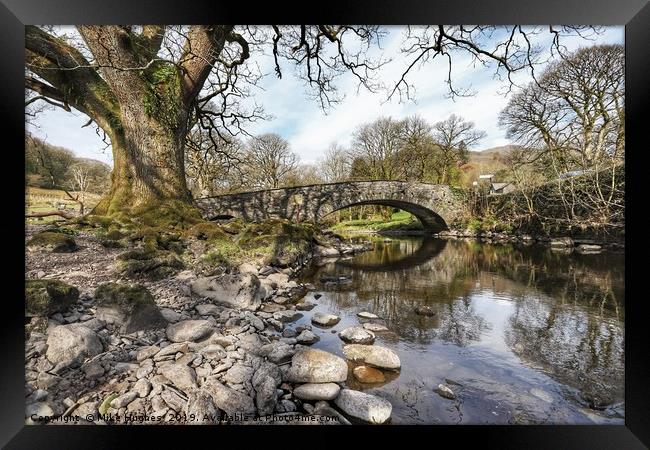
(429, 249)
(435, 205)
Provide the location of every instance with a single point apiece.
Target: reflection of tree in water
(568, 309)
(460, 324)
(577, 347)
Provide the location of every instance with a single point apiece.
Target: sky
(298, 118)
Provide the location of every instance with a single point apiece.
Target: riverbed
(522, 334)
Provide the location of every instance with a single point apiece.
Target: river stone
(316, 366)
(287, 316)
(147, 352)
(367, 407)
(445, 391)
(238, 374)
(123, 400)
(272, 308)
(317, 391)
(181, 376)
(239, 291)
(589, 248)
(277, 280)
(277, 352)
(227, 399)
(213, 352)
(366, 374)
(367, 315)
(189, 330)
(357, 335)
(208, 309)
(69, 345)
(131, 307)
(305, 306)
(248, 268)
(562, 242)
(142, 387)
(372, 355)
(374, 327)
(201, 405)
(307, 338)
(47, 297)
(265, 381)
(424, 310)
(325, 320)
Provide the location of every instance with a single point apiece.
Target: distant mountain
(491, 155)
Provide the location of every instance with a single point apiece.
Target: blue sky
(298, 118)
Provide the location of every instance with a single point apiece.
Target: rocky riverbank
(104, 347)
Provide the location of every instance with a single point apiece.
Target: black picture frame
(14, 14)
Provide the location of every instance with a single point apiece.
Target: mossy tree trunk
(141, 101)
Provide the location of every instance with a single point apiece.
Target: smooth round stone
(357, 335)
(445, 392)
(316, 366)
(317, 391)
(375, 327)
(307, 338)
(372, 355)
(367, 374)
(367, 315)
(189, 330)
(367, 407)
(325, 320)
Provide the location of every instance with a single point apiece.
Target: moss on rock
(46, 297)
(150, 263)
(125, 295)
(53, 241)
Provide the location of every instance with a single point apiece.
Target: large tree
(146, 87)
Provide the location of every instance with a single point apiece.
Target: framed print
(412, 227)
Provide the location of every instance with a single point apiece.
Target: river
(521, 334)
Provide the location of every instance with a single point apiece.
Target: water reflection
(522, 312)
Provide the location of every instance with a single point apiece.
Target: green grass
(399, 221)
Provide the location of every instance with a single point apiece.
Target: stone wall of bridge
(434, 205)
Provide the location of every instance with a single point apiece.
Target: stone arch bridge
(433, 204)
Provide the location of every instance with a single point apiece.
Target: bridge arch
(434, 205)
(429, 219)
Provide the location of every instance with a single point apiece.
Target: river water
(521, 334)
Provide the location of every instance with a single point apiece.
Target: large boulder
(129, 306)
(367, 407)
(372, 355)
(46, 297)
(190, 330)
(53, 242)
(234, 290)
(316, 366)
(69, 345)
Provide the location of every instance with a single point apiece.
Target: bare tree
(268, 161)
(453, 137)
(572, 124)
(81, 178)
(336, 164)
(379, 145)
